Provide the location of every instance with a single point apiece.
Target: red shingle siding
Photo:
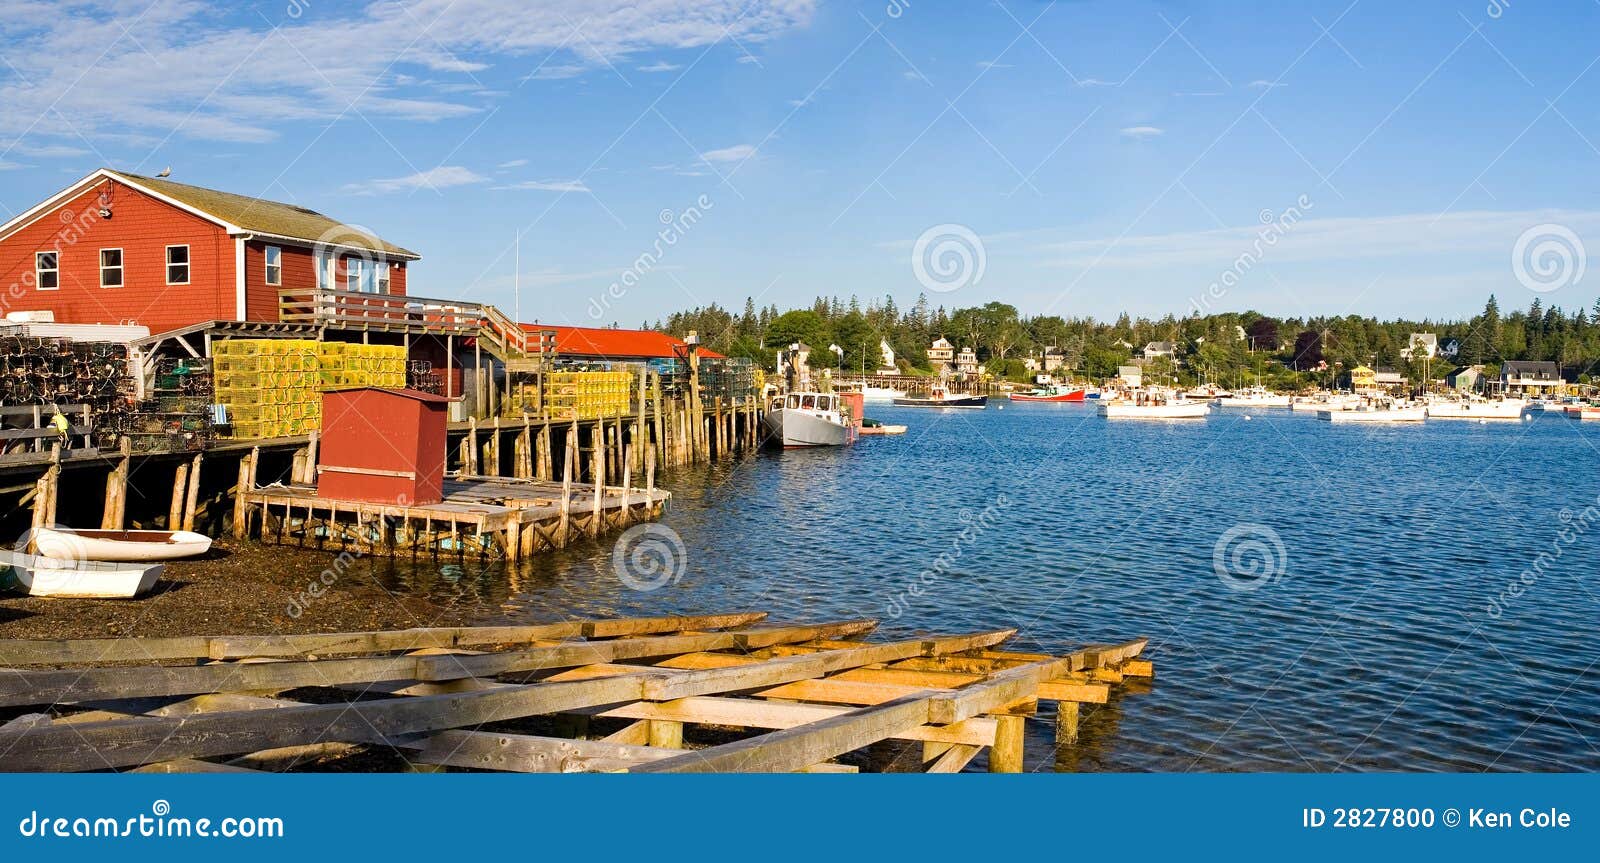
(142, 227)
(261, 299)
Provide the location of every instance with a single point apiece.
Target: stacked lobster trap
(176, 415)
(46, 371)
(273, 387)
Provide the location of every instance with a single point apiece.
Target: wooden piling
(1006, 754)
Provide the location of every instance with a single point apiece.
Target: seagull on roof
(165, 172)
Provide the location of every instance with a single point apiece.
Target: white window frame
(353, 274)
(187, 273)
(382, 281)
(272, 278)
(121, 268)
(39, 270)
(325, 269)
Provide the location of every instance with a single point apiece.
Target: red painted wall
(142, 227)
(382, 431)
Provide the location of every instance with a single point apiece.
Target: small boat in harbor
(1477, 409)
(940, 397)
(63, 543)
(873, 427)
(1377, 412)
(81, 579)
(1325, 401)
(1159, 404)
(1253, 397)
(807, 419)
(881, 395)
(1054, 393)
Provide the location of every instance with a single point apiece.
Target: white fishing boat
(1377, 412)
(881, 394)
(1252, 397)
(1153, 403)
(80, 579)
(62, 543)
(807, 419)
(1477, 409)
(1325, 402)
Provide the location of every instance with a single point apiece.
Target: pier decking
(480, 516)
(601, 695)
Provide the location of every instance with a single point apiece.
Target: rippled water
(1383, 633)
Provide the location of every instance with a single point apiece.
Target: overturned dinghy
(82, 579)
(64, 543)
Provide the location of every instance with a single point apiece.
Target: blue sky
(1083, 157)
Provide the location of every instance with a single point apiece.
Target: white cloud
(913, 75)
(1095, 82)
(572, 186)
(556, 72)
(993, 64)
(747, 58)
(1262, 84)
(514, 163)
(663, 66)
(180, 68)
(442, 177)
(10, 166)
(1196, 94)
(1142, 133)
(736, 153)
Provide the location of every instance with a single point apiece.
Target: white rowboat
(91, 579)
(62, 543)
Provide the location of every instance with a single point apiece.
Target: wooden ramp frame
(790, 697)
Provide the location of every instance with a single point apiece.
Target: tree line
(1225, 347)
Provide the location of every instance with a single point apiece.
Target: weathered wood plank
(521, 753)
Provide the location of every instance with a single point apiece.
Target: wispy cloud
(442, 177)
(513, 163)
(662, 66)
(573, 186)
(1095, 82)
(99, 68)
(993, 64)
(1263, 84)
(1142, 133)
(556, 72)
(736, 153)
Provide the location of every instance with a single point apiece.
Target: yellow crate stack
(588, 395)
(273, 387)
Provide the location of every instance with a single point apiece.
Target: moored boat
(1152, 404)
(873, 427)
(1325, 402)
(1253, 397)
(939, 397)
(82, 579)
(1477, 409)
(1057, 393)
(1377, 412)
(64, 543)
(807, 419)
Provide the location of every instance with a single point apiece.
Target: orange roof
(612, 344)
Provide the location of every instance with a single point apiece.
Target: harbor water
(1317, 597)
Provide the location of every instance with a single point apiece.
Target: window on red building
(47, 270)
(110, 268)
(177, 265)
(274, 265)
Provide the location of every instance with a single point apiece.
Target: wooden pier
(487, 516)
(715, 693)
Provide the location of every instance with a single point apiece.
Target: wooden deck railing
(355, 310)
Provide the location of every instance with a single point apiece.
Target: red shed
(382, 446)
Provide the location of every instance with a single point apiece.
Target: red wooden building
(382, 446)
(121, 248)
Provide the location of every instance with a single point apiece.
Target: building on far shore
(1530, 377)
(942, 354)
(1465, 379)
